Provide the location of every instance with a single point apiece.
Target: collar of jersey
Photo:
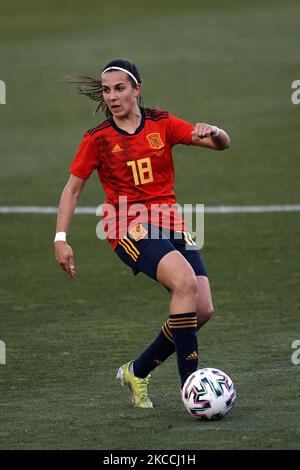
(138, 129)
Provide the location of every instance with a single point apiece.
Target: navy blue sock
(156, 353)
(183, 328)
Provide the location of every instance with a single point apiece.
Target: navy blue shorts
(144, 254)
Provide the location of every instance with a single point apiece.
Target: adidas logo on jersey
(117, 148)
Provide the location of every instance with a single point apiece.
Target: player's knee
(186, 285)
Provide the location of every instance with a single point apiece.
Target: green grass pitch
(230, 63)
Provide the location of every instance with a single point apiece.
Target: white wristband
(60, 237)
(215, 131)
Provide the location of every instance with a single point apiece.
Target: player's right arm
(67, 205)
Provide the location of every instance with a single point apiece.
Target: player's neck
(130, 122)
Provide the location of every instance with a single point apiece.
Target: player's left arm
(206, 135)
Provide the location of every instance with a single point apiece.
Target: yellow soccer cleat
(137, 386)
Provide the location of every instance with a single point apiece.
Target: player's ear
(137, 90)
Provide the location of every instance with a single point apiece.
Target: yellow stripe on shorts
(132, 245)
(188, 238)
(128, 249)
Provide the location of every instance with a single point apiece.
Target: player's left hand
(203, 130)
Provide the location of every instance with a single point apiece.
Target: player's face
(119, 94)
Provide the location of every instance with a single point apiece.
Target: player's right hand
(64, 257)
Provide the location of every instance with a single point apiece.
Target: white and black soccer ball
(208, 394)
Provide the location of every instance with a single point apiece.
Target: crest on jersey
(155, 141)
(138, 232)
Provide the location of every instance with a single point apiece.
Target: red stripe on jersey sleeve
(85, 160)
(179, 131)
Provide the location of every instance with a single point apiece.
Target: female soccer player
(132, 153)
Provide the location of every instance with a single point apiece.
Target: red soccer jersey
(138, 166)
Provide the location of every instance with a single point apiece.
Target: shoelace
(143, 387)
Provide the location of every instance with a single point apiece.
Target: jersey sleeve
(85, 160)
(179, 131)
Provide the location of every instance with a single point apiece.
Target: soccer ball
(208, 394)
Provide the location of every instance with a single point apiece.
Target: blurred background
(227, 63)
